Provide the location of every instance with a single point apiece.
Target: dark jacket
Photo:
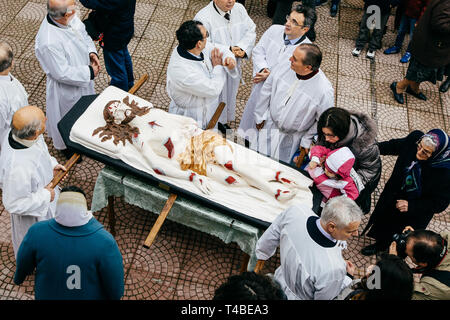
(361, 139)
(430, 44)
(61, 254)
(120, 17)
(414, 8)
(435, 197)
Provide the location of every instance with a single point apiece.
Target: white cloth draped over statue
(269, 52)
(291, 109)
(63, 53)
(244, 199)
(13, 96)
(239, 31)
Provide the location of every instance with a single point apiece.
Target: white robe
(13, 96)
(291, 109)
(63, 54)
(239, 31)
(269, 52)
(309, 269)
(24, 173)
(194, 86)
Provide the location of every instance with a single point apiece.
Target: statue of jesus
(175, 146)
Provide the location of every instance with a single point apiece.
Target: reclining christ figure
(175, 146)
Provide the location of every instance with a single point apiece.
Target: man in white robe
(291, 101)
(275, 46)
(196, 73)
(229, 24)
(68, 57)
(312, 266)
(26, 172)
(12, 93)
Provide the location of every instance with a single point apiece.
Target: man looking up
(229, 24)
(69, 59)
(274, 48)
(26, 172)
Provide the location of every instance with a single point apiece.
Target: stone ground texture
(184, 263)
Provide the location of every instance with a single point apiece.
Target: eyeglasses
(293, 21)
(207, 35)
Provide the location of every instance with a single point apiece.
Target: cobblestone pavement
(184, 263)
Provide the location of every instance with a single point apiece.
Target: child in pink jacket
(330, 170)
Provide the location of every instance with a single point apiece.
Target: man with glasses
(196, 73)
(274, 48)
(229, 24)
(290, 103)
(69, 59)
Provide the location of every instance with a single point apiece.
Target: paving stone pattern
(184, 263)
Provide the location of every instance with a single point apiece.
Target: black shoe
(445, 85)
(370, 250)
(397, 96)
(333, 10)
(223, 127)
(419, 95)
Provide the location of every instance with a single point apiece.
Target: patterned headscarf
(440, 158)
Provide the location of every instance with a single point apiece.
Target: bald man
(69, 59)
(26, 172)
(12, 93)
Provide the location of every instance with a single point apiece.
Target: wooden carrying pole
(169, 203)
(69, 164)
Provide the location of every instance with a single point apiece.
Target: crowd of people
(290, 116)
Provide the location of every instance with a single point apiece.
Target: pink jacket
(339, 161)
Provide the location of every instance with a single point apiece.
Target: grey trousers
(364, 35)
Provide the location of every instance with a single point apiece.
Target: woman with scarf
(418, 188)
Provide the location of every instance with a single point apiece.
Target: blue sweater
(80, 263)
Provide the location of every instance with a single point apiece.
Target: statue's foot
(285, 179)
(283, 194)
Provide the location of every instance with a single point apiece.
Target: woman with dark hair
(418, 188)
(394, 281)
(338, 128)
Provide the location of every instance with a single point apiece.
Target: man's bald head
(28, 122)
(57, 9)
(6, 56)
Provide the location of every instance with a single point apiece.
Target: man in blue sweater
(117, 24)
(75, 258)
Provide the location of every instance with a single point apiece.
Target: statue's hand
(202, 183)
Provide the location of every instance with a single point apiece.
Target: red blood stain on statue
(170, 148)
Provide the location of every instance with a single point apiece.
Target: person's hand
(408, 228)
(350, 267)
(57, 168)
(261, 76)
(229, 62)
(49, 187)
(95, 63)
(216, 57)
(259, 126)
(313, 165)
(402, 205)
(393, 248)
(238, 52)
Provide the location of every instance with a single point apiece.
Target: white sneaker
(356, 52)
(370, 54)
